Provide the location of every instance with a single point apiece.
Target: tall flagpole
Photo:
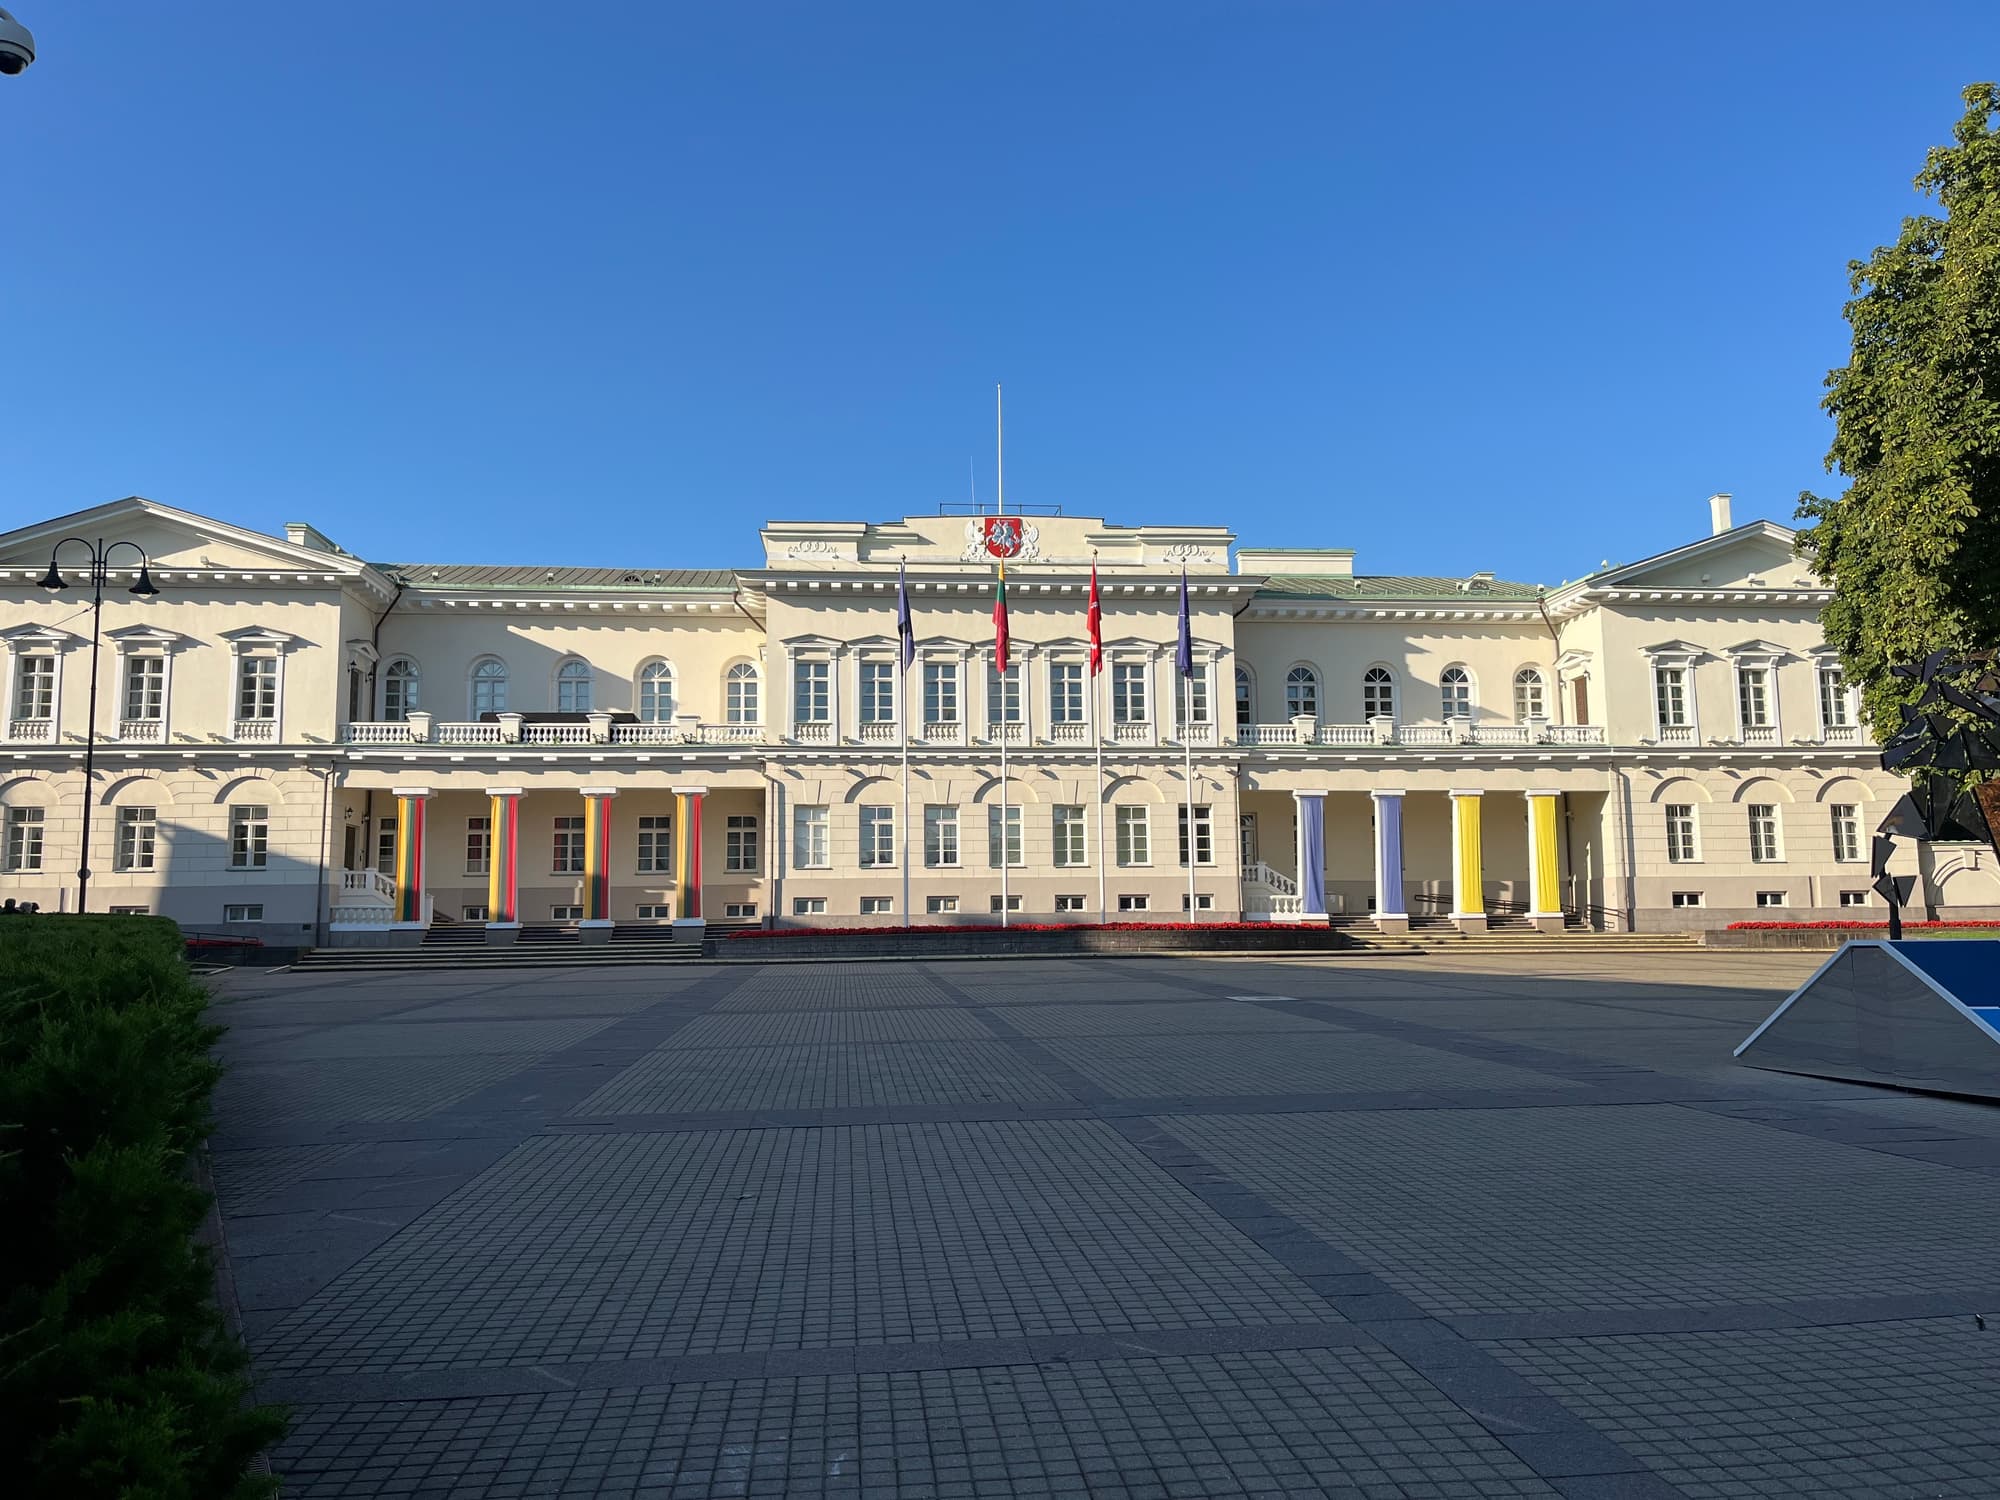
(1187, 744)
(1000, 509)
(1095, 671)
(903, 732)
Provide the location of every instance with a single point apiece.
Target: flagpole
(1095, 671)
(903, 728)
(1000, 509)
(1187, 744)
(1184, 669)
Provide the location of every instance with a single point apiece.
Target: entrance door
(1246, 833)
(1581, 686)
(350, 858)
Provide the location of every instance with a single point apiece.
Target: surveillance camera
(17, 45)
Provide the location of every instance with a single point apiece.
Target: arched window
(1245, 708)
(399, 691)
(1301, 692)
(656, 692)
(1530, 701)
(741, 705)
(1378, 694)
(489, 687)
(573, 683)
(1455, 688)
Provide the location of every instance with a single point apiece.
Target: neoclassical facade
(299, 742)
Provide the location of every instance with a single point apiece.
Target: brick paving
(1504, 1226)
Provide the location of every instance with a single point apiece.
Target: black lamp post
(100, 555)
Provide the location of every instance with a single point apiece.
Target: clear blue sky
(1460, 286)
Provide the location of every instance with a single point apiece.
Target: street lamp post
(100, 555)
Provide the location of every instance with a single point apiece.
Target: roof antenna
(972, 478)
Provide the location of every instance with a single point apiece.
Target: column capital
(599, 791)
(1318, 791)
(689, 791)
(506, 791)
(411, 791)
(1462, 792)
(1392, 791)
(1541, 793)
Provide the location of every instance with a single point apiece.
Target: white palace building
(296, 743)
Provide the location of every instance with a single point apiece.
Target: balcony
(1760, 734)
(262, 731)
(1841, 734)
(33, 731)
(1456, 733)
(1678, 734)
(880, 732)
(1015, 733)
(142, 731)
(944, 732)
(468, 734)
(557, 734)
(1068, 733)
(1132, 733)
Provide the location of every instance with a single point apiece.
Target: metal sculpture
(1949, 748)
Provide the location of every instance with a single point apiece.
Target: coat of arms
(1003, 536)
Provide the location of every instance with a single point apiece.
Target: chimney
(1718, 514)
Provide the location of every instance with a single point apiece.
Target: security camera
(17, 45)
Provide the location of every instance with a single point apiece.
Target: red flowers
(1839, 926)
(938, 929)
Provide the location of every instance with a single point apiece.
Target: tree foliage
(1912, 548)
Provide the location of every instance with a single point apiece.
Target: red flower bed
(935, 929)
(1839, 926)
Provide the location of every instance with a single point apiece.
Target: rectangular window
(145, 687)
(741, 911)
(940, 692)
(1670, 697)
(1070, 903)
(808, 906)
(878, 837)
(810, 849)
(940, 837)
(656, 844)
(1202, 901)
(1135, 903)
(1853, 898)
(1753, 697)
(1846, 832)
(1069, 835)
(1770, 898)
(24, 839)
(1003, 699)
(1066, 693)
(1763, 833)
(565, 914)
(1680, 832)
(1686, 898)
(257, 687)
(138, 833)
(130, 911)
(249, 837)
(566, 853)
(1204, 836)
(656, 911)
(478, 845)
(1835, 712)
(1135, 835)
(993, 904)
(385, 845)
(1128, 693)
(812, 684)
(878, 692)
(939, 906)
(253, 912)
(1191, 698)
(740, 851)
(35, 687)
(877, 906)
(1013, 835)
(473, 913)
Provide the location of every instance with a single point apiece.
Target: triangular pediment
(1757, 555)
(1673, 648)
(173, 541)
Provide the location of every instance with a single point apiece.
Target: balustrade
(142, 731)
(380, 734)
(879, 732)
(813, 732)
(256, 729)
(1342, 734)
(468, 734)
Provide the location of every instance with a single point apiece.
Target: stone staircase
(539, 946)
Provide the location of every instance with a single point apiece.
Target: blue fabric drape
(1312, 855)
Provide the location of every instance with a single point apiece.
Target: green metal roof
(1395, 588)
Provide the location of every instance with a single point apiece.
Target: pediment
(173, 541)
(1758, 555)
(261, 638)
(40, 637)
(1673, 648)
(1756, 648)
(147, 638)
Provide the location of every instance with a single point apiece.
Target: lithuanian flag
(1000, 622)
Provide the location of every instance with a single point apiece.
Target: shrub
(117, 1376)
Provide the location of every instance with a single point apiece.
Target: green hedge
(117, 1376)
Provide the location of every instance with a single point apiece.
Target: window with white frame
(473, 913)
(808, 906)
(385, 845)
(575, 685)
(566, 845)
(252, 911)
(34, 687)
(1245, 700)
(130, 911)
(566, 913)
(812, 692)
(740, 910)
(1204, 835)
(1135, 835)
(256, 687)
(878, 837)
(1530, 696)
(995, 905)
(24, 839)
(1128, 693)
(741, 852)
(1013, 834)
(1455, 692)
(1753, 697)
(1686, 898)
(1066, 692)
(877, 906)
(1771, 898)
(656, 844)
(138, 838)
(656, 911)
(940, 692)
(1670, 696)
(810, 847)
(401, 690)
(1071, 904)
(479, 845)
(656, 693)
(1135, 903)
(1836, 705)
(1003, 698)
(1301, 692)
(1846, 831)
(1068, 823)
(1378, 694)
(940, 836)
(742, 702)
(249, 836)
(145, 689)
(1853, 898)
(878, 692)
(1764, 833)
(939, 906)
(1202, 902)
(1681, 833)
(1191, 697)
(489, 687)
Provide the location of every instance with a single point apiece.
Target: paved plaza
(1424, 1227)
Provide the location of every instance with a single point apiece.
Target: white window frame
(1130, 692)
(943, 700)
(136, 839)
(1302, 684)
(1016, 847)
(1684, 843)
(941, 836)
(1204, 832)
(1006, 703)
(808, 906)
(742, 844)
(653, 844)
(268, 685)
(1774, 849)
(994, 903)
(1194, 687)
(877, 697)
(1133, 824)
(1460, 690)
(940, 906)
(25, 666)
(1661, 667)
(656, 679)
(1072, 903)
(1765, 677)
(1843, 694)
(1066, 824)
(575, 686)
(139, 664)
(408, 685)
(1539, 709)
(1243, 697)
(1135, 902)
(479, 844)
(243, 911)
(496, 685)
(26, 831)
(812, 836)
(1378, 680)
(1686, 900)
(567, 854)
(1845, 818)
(1069, 696)
(250, 836)
(878, 906)
(742, 693)
(878, 837)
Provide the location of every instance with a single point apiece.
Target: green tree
(1912, 548)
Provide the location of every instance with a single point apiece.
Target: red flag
(1000, 623)
(1096, 618)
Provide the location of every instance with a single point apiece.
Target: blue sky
(1459, 286)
